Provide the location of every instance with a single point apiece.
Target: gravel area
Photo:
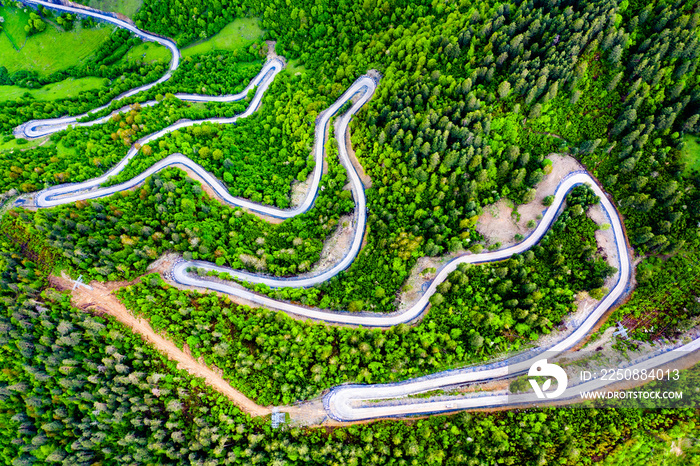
(499, 223)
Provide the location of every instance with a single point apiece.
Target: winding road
(347, 402)
(38, 128)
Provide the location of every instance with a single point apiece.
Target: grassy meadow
(60, 90)
(237, 35)
(691, 152)
(49, 51)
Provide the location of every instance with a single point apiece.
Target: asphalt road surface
(349, 402)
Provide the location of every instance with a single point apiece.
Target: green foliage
(186, 21)
(260, 156)
(83, 153)
(665, 301)
(101, 62)
(80, 388)
(118, 236)
(479, 311)
(615, 83)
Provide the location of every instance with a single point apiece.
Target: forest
(480, 312)
(78, 388)
(473, 98)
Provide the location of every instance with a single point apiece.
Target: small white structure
(621, 331)
(277, 418)
(79, 281)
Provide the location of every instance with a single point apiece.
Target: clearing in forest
(48, 51)
(237, 35)
(61, 90)
(148, 52)
(691, 153)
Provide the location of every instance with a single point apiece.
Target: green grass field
(60, 90)
(148, 52)
(49, 51)
(237, 35)
(125, 7)
(14, 22)
(691, 152)
(62, 150)
(293, 67)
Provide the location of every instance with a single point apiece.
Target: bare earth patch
(300, 190)
(421, 275)
(499, 223)
(271, 50)
(337, 245)
(101, 299)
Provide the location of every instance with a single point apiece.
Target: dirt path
(101, 298)
(499, 223)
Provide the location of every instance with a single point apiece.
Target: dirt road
(101, 298)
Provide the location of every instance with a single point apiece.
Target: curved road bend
(345, 403)
(67, 193)
(342, 402)
(364, 87)
(38, 128)
(388, 320)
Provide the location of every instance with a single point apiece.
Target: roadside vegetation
(260, 156)
(73, 378)
(148, 52)
(119, 236)
(95, 148)
(473, 97)
(479, 312)
(46, 63)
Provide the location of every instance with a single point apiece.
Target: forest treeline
(78, 388)
(479, 311)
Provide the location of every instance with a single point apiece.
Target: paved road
(67, 193)
(346, 402)
(38, 128)
(388, 320)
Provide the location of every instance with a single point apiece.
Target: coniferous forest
(474, 102)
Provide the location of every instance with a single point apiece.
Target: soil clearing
(101, 298)
(501, 221)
